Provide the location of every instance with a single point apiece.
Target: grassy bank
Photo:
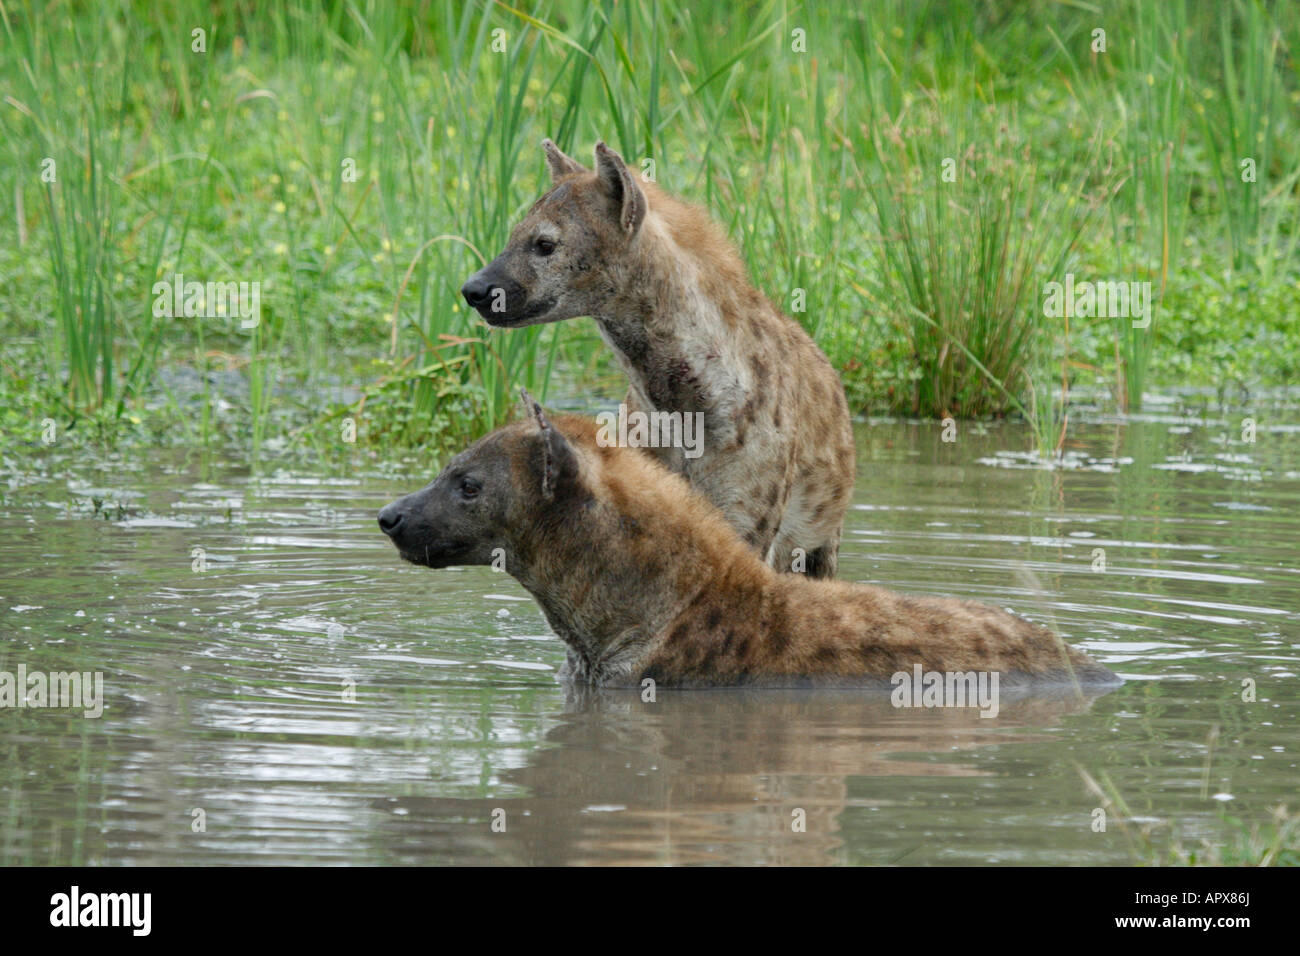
(913, 174)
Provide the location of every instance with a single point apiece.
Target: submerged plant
(1275, 842)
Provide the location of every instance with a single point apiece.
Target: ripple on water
(324, 702)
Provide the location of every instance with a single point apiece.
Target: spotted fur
(643, 578)
(672, 298)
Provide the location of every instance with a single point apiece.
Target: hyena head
(567, 257)
(490, 500)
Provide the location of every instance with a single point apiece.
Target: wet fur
(642, 578)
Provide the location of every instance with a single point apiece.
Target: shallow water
(225, 688)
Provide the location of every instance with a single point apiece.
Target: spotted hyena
(643, 578)
(672, 299)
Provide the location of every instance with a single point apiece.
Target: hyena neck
(610, 630)
(674, 323)
(611, 609)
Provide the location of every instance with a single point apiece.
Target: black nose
(390, 519)
(476, 290)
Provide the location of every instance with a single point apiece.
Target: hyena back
(672, 298)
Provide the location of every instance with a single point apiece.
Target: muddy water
(292, 693)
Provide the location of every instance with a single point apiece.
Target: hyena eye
(544, 247)
(469, 488)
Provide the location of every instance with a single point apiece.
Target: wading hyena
(672, 298)
(641, 578)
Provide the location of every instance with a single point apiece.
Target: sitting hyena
(671, 297)
(642, 578)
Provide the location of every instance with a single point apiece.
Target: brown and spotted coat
(642, 578)
(672, 298)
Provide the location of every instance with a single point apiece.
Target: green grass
(962, 264)
(1274, 841)
(823, 163)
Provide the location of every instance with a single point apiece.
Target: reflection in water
(300, 696)
(735, 776)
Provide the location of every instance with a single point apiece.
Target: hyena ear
(560, 164)
(559, 464)
(622, 186)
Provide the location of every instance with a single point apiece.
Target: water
(227, 734)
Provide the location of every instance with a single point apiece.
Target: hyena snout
(495, 295)
(477, 289)
(442, 524)
(391, 518)
(407, 522)
(503, 300)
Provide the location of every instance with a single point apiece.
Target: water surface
(321, 702)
